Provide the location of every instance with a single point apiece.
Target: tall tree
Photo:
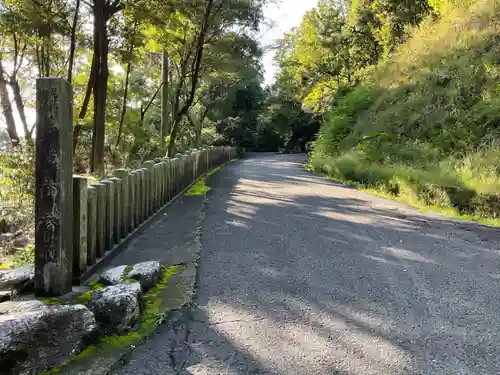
(7, 107)
(103, 11)
(165, 120)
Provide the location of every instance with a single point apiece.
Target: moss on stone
(113, 342)
(51, 300)
(214, 171)
(126, 272)
(55, 370)
(198, 188)
(96, 285)
(156, 304)
(86, 297)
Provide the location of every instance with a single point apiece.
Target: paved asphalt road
(301, 276)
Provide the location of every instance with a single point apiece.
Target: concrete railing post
(91, 225)
(101, 219)
(117, 208)
(149, 187)
(80, 203)
(194, 165)
(157, 186)
(166, 180)
(53, 188)
(131, 201)
(109, 193)
(185, 170)
(137, 198)
(204, 160)
(178, 174)
(122, 174)
(174, 175)
(144, 194)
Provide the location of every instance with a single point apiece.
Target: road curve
(302, 276)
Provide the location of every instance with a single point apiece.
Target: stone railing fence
(80, 221)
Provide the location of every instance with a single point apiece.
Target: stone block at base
(116, 307)
(113, 276)
(147, 273)
(35, 336)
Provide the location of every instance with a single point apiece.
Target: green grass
(425, 190)
(19, 258)
(200, 187)
(424, 127)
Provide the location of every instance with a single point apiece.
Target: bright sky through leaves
(282, 15)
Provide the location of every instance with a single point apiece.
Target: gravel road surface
(302, 276)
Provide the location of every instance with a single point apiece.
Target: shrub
(425, 124)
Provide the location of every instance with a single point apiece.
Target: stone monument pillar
(54, 188)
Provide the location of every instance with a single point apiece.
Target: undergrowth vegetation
(424, 125)
(16, 206)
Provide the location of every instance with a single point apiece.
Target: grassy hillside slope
(425, 125)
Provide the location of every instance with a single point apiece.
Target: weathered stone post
(164, 167)
(160, 184)
(109, 193)
(182, 171)
(169, 179)
(122, 174)
(203, 161)
(101, 219)
(54, 188)
(144, 194)
(175, 175)
(149, 186)
(178, 172)
(199, 162)
(156, 195)
(137, 197)
(91, 225)
(194, 164)
(80, 201)
(189, 169)
(117, 208)
(131, 201)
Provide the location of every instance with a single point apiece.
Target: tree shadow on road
(374, 285)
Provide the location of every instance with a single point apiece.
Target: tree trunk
(45, 56)
(86, 101)
(198, 126)
(73, 41)
(197, 137)
(151, 100)
(173, 134)
(100, 86)
(7, 108)
(20, 108)
(125, 95)
(164, 101)
(38, 60)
